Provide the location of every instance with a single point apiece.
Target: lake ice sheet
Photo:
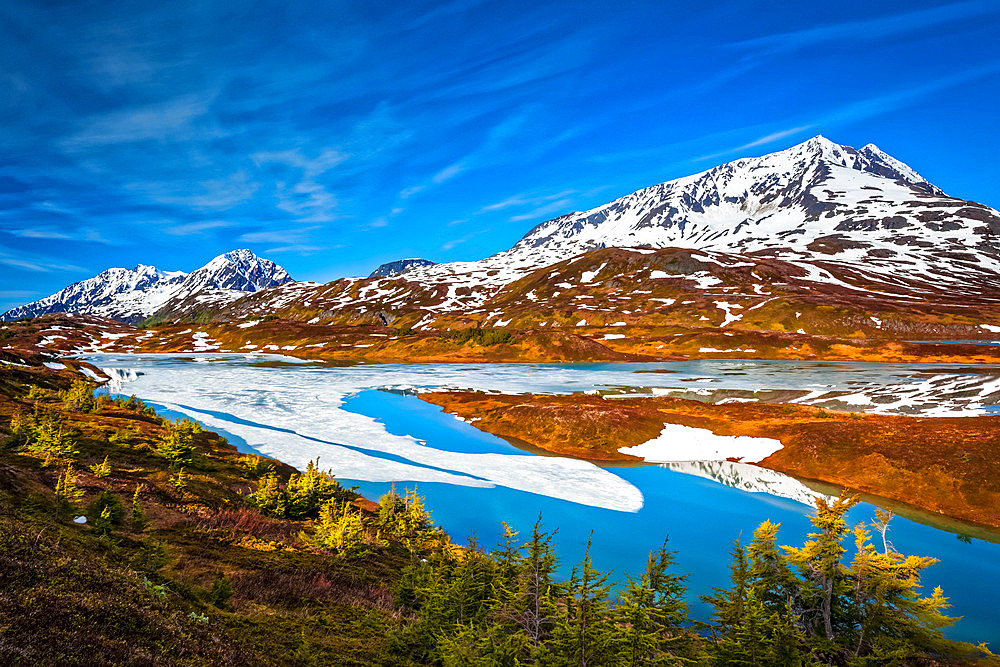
(294, 410)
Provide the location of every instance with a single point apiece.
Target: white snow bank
(684, 443)
(91, 374)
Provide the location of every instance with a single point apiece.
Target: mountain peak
(240, 256)
(390, 269)
(776, 203)
(240, 270)
(134, 294)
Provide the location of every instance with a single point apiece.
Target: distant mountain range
(817, 218)
(131, 295)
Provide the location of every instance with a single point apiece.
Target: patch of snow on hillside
(685, 443)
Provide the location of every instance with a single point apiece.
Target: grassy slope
(944, 465)
(68, 596)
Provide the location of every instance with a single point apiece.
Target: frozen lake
(297, 411)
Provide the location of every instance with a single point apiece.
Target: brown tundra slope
(941, 465)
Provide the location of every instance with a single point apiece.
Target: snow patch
(685, 443)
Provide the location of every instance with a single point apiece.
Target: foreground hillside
(127, 538)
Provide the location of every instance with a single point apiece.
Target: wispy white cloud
(33, 262)
(868, 29)
(307, 201)
(300, 248)
(525, 199)
(191, 228)
(186, 117)
(87, 234)
(865, 108)
(486, 154)
(557, 207)
(451, 244)
(761, 141)
(289, 236)
(327, 159)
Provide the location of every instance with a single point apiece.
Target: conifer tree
(824, 584)
(138, 520)
(652, 613)
(68, 494)
(102, 469)
(177, 446)
(341, 528)
(537, 590)
(888, 620)
(585, 634)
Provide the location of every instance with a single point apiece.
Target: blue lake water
(473, 481)
(702, 519)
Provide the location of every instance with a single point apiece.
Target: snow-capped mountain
(830, 215)
(814, 200)
(131, 295)
(399, 266)
(817, 201)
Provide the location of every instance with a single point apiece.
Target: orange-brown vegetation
(943, 465)
(29, 340)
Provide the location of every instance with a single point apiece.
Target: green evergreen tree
(138, 520)
(106, 512)
(68, 494)
(824, 585)
(222, 590)
(341, 528)
(177, 446)
(888, 620)
(585, 634)
(537, 590)
(102, 469)
(653, 615)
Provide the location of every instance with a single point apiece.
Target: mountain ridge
(836, 217)
(130, 295)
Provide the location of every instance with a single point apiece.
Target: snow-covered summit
(237, 270)
(780, 204)
(815, 201)
(132, 295)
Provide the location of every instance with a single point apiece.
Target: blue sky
(333, 136)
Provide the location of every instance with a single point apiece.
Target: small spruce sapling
(138, 519)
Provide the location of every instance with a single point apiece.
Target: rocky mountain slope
(399, 266)
(131, 295)
(818, 238)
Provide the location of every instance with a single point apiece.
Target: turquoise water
(702, 519)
